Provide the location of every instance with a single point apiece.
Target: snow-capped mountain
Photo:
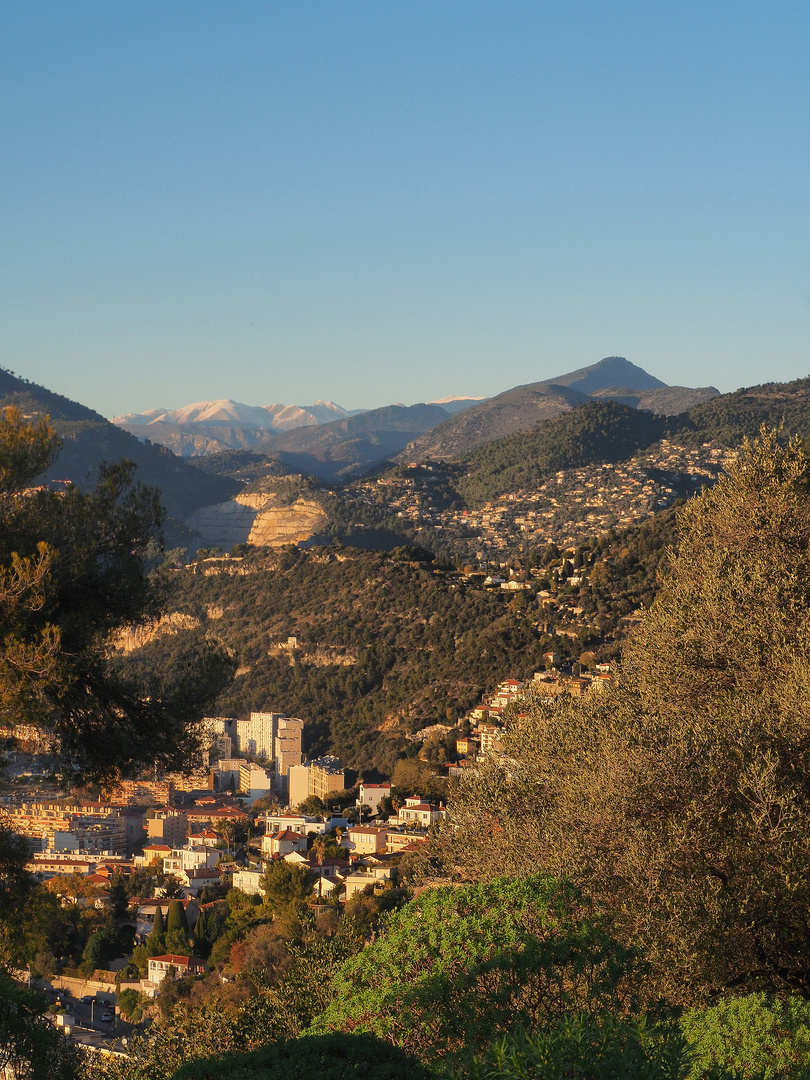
(206, 427)
(226, 411)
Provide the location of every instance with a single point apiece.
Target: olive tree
(681, 796)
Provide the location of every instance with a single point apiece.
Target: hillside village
(565, 510)
(259, 773)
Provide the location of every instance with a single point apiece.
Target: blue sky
(390, 201)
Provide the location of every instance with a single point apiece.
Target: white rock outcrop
(256, 519)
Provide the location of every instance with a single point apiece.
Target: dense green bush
(131, 1004)
(608, 1047)
(751, 1036)
(456, 966)
(325, 1057)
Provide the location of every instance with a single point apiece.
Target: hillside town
(565, 509)
(260, 803)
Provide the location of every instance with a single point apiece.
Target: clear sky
(393, 201)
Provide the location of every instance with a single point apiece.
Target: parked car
(107, 1016)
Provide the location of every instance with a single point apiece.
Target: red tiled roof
(176, 960)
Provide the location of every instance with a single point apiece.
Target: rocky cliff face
(257, 519)
(128, 641)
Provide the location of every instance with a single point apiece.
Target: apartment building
(326, 775)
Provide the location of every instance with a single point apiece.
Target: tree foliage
(749, 1036)
(31, 1048)
(379, 640)
(456, 965)
(681, 798)
(324, 1057)
(606, 1047)
(15, 880)
(286, 885)
(73, 572)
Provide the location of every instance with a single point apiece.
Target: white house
(417, 812)
(371, 795)
(282, 843)
(160, 966)
(249, 881)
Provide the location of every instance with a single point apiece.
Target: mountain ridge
(522, 407)
(88, 439)
(308, 441)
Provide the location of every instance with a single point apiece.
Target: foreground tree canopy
(458, 964)
(680, 799)
(73, 573)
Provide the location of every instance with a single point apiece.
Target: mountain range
(210, 427)
(486, 444)
(334, 443)
(522, 407)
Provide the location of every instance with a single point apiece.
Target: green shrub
(131, 1003)
(751, 1036)
(608, 1047)
(324, 1057)
(457, 966)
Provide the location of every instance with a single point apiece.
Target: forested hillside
(728, 419)
(88, 439)
(593, 433)
(386, 645)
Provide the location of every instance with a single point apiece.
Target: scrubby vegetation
(384, 642)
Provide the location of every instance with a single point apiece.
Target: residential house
(375, 876)
(397, 839)
(417, 812)
(282, 843)
(194, 881)
(161, 966)
(152, 853)
(249, 881)
(364, 839)
(371, 795)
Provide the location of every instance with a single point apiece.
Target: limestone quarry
(257, 518)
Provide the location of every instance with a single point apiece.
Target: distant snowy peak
(224, 411)
(235, 414)
(137, 417)
(287, 417)
(327, 411)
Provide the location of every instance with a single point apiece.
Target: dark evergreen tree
(157, 939)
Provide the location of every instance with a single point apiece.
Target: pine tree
(157, 939)
(73, 572)
(178, 938)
